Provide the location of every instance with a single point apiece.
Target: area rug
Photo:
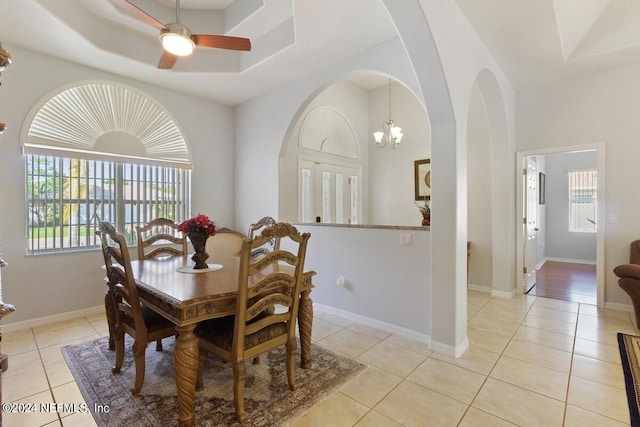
(268, 400)
(630, 354)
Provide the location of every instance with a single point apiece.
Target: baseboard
(619, 307)
(387, 327)
(575, 261)
(503, 294)
(42, 321)
(449, 350)
(479, 288)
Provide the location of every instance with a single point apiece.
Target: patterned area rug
(268, 400)
(630, 353)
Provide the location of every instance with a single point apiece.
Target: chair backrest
(160, 237)
(274, 279)
(120, 278)
(225, 242)
(254, 230)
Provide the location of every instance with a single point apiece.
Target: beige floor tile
(412, 405)
(550, 325)
(596, 350)
(79, 420)
(487, 340)
(57, 336)
(475, 359)
(477, 418)
(452, 381)
(606, 313)
(52, 355)
(18, 342)
(503, 315)
(539, 355)
(531, 377)
(371, 386)
(375, 419)
(578, 417)
(390, 358)
(606, 323)
(97, 317)
(101, 327)
(519, 304)
(517, 405)
(369, 330)
(55, 326)
(68, 394)
(24, 363)
(491, 324)
(336, 320)
(23, 386)
(58, 374)
(409, 344)
(555, 304)
(348, 342)
(610, 374)
(606, 336)
(33, 413)
(599, 398)
(322, 329)
(550, 313)
(337, 410)
(546, 338)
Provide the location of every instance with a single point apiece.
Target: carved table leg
(186, 366)
(110, 309)
(305, 324)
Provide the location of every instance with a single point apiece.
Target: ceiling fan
(177, 40)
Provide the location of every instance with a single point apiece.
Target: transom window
(116, 155)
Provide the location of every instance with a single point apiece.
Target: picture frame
(422, 179)
(541, 188)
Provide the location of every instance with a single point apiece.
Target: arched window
(100, 151)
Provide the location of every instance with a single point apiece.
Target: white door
(329, 192)
(530, 223)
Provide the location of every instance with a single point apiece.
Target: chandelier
(392, 134)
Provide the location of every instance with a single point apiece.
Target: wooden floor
(566, 281)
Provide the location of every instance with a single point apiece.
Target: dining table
(187, 297)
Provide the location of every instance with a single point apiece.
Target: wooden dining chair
(160, 237)
(254, 229)
(140, 322)
(254, 331)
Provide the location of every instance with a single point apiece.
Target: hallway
(566, 281)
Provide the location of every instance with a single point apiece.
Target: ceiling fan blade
(221, 42)
(167, 60)
(135, 11)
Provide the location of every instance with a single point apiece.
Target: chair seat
(154, 321)
(219, 332)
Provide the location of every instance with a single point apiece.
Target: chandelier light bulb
(392, 134)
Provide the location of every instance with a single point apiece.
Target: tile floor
(532, 362)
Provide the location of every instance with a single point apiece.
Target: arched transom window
(100, 151)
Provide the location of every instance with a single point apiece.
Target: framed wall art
(422, 173)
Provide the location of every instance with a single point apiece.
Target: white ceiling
(538, 41)
(534, 41)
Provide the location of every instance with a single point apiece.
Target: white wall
(479, 193)
(560, 243)
(599, 108)
(44, 285)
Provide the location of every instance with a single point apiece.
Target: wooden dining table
(187, 298)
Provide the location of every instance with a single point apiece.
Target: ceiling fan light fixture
(177, 40)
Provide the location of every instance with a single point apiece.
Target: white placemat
(190, 269)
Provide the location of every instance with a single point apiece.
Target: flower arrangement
(198, 224)
(425, 210)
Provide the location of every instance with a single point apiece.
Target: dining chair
(160, 237)
(272, 279)
(272, 244)
(131, 317)
(225, 242)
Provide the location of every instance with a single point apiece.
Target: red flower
(198, 224)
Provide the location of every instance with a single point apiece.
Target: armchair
(629, 277)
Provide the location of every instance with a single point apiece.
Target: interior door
(531, 223)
